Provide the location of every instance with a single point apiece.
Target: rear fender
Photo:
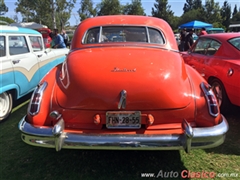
(202, 116)
(42, 117)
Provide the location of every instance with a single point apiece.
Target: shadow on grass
(21, 161)
(231, 145)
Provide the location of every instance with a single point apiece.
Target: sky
(176, 7)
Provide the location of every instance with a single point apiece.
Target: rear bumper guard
(192, 138)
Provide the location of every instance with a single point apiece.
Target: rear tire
(6, 104)
(221, 95)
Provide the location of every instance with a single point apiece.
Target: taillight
(211, 99)
(36, 99)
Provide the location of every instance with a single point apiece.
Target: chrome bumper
(192, 138)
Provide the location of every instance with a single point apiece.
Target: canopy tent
(31, 25)
(195, 25)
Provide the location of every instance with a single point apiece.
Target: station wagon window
(206, 46)
(235, 42)
(36, 43)
(2, 46)
(17, 45)
(122, 34)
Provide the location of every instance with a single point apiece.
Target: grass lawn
(21, 161)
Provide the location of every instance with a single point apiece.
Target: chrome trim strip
(194, 97)
(192, 138)
(126, 25)
(123, 99)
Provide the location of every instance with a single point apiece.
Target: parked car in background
(195, 37)
(46, 36)
(217, 58)
(24, 61)
(70, 34)
(124, 85)
(214, 30)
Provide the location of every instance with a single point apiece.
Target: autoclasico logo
(188, 174)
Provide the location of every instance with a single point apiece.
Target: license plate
(123, 119)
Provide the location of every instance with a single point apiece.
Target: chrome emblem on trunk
(116, 69)
(122, 102)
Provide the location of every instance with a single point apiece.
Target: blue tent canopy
(195, 25)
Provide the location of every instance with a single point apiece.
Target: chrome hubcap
(4, 104)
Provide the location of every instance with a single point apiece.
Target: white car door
(25, 63)
(6, 69)
(47, 58)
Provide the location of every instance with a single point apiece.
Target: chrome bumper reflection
(193, 138)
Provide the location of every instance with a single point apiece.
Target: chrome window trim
(129, 25)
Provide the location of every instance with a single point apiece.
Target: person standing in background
(182, 39)
(65, 37)
(203, 32)
(189, 40)
(58, 40)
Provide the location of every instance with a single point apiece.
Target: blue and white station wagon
(24, 61)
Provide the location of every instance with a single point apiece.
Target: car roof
(125, 20)
(17, 30)
(214, 29)
(222, 36)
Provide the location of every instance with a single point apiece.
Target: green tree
(86, 9)
(235, 11)
(226, 14)
(24, 7)
(236, 18)
(212, 12)
(197, 4)
(38, 11)
(163, 10)
(194, 14)
(64, 10)
(109, 7)
(187, 6)
(41, 11)
(135, 8)
(3, 8)
(175, 22)
(192, 4)
(6, 19)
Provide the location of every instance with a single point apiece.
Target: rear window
(235, 42)
(111, 34)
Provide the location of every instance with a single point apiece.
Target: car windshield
(235, 42)
(123, 34)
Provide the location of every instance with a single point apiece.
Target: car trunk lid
(96, 78)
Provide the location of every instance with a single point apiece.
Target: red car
(46, 36)
(217, 58)
(124, 85)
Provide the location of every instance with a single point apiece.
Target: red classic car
(217, 58)
(124, 85)
(46, 36)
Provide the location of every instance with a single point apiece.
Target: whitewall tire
(6, 105)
